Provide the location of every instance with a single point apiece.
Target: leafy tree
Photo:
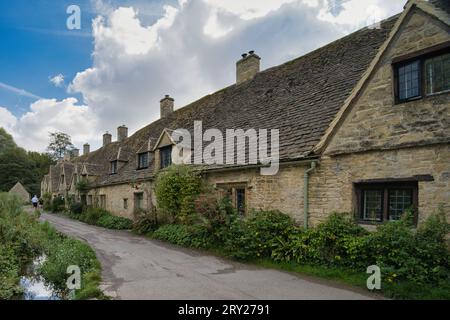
(60, 143)
(16, 164)
(6, 141)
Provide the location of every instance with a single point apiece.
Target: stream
(34, 285)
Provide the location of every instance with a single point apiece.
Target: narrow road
(138, 268)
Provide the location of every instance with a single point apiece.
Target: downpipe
(305, 193)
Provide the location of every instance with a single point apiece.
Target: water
(34, 286)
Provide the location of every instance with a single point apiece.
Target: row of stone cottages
(364, 126)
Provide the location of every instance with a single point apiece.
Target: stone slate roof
(300, 98)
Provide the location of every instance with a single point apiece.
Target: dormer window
(166, 157)
(143, 160)
(114, 167)
(423, 76)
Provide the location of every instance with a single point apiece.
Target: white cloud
(48, 115)
(18, 91)
(7, 119)
(58, 80)
(189, 51)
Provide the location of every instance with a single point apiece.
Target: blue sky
(130, 53)
(39, 46)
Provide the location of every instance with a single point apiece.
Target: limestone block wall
(283, 191)
(331, 186)
(115, 195)
(375, 121)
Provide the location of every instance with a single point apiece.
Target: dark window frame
(421, 58)
(241, 209)
(162, 163)
(140, 166)
(385, 188)
(114, 167)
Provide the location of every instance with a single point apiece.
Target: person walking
(35, 202)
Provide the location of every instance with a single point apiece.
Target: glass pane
(240, 201)
(372, 205)
(408, 81)
(399, 201)
(437, 74)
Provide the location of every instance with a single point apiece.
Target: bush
(58, 205)
(64, 253)
(174, 233)
(420, 256)
(114, 222)
(47, 199)
(176, 189)
(254, 236)
(145, 222)
(9, 273)
(337, 241)
(76, 208)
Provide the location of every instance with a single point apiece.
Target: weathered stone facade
(335, 106)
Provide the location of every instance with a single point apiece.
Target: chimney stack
(86, 148)
(247, 67)
(107, 138)
(67, 156)
(122, 133)
(76, 152)
(166, 106)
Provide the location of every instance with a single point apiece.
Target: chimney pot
(86, 148)
(107, 138)
(251, 52)
(122, 133)
(247, 67)
(166, 106)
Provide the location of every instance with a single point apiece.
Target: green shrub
(254, 236)
(145, 222)
(176, 189)
(420, 256)
(58, 205)
(9, 273)
(47, 199)
(110, 221)
(62, 254)
(76, 208)
(337, 241)
(93, 214)
(174, 233)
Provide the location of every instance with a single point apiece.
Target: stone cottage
(364, 127)
(20, 191)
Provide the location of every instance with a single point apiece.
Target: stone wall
(115, 195)
(376, 122)
(283, 191)
(331, 186)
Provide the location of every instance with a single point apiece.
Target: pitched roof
(444, 5)
(300, 98)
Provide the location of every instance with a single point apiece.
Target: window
(409, 81)
(125, 203)
(422, 76)
(103, 201)
(143, 160)
(114, 167)
(166, 156)
(138, 201)
(378, 202)
(437, 74)
(240, 201)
